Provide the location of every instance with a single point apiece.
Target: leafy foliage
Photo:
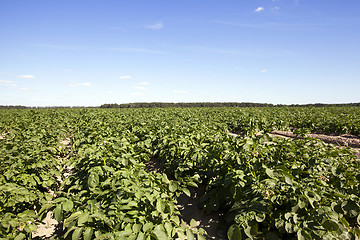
(100, 187)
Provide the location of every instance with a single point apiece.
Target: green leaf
(136, 228)
(187, 192)
(173, 186)
(147, 226)
(330, 225)
(68, 205)
(169, 228)
(88, 233)
(301, 204)
(192, 184)
(20, 236)
(260, 217)
(76, 234)
(303, 235)
(141, 236)
(160, 205)
(72, 218)
(181, 235)
(58, 213)
(160, 233)
(83, 218)
(175, 219)
(93, 180)
(252, 230)
(234, 232)
(289, 227)
(193, 223)
(270, 172)
(189, 235)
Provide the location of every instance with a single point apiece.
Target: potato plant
(99, 186)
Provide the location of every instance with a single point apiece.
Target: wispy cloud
(27, 76)
(156, 26)
(259, 9)
(84, 84)
(140, 88)
(144, 83)
(180, 91)
(7, 83)
(264, 70)
(139, 50)
(138, 94)
(125, 77)
(25, 89)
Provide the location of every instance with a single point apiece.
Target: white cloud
(140, 88)
(25, 89)
(84, 84)
(7, 83)
(180, 91)
(156, 26)
(263, 70)
(137, 94)
(144, 83)
(27, 76)
(125, 77)
(259, 9)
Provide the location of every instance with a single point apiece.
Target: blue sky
(87, 53)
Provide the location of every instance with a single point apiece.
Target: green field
(90, 168)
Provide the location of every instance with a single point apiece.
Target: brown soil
(342, 140)
(345, 140)
(190, 209)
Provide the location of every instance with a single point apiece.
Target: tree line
(188, 105)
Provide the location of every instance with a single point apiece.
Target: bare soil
(342, 140)
(49, 225)
(345, 140)
(190, 209)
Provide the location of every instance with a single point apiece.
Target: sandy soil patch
(49, 225)
(342, 140)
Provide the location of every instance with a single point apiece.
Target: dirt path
(47, 228)
(345, 140)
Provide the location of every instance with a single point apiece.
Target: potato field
(119, 173)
